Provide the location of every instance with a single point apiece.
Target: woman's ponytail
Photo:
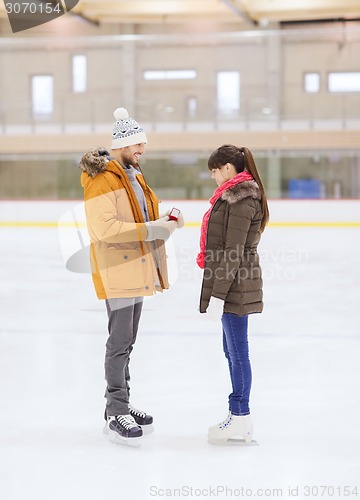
(252, 169)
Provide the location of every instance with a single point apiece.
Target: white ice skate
(236, 430)
(224, 423)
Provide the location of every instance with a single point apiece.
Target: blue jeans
(236, 349)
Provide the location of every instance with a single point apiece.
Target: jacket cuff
(143, 231)
(149, 230)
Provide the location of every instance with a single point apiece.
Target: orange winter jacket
(123, 264)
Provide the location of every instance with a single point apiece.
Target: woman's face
(223, 174)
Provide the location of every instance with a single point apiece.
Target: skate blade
(147, 429)
(116, 439)
(233, 442)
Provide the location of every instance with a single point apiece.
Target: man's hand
(180, 222)
(160, 229)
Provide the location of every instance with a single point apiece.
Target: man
(127, 257)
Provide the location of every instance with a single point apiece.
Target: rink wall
(282, 212)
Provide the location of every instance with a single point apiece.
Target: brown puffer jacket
(232, 271)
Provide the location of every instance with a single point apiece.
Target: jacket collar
(98, 160)
(242, 190)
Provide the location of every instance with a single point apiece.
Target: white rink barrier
(282, 212)
(68, 217)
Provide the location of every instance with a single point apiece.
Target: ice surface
(305, 351)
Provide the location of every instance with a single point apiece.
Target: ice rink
(305, 351)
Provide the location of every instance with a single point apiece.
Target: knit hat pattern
(126, 131)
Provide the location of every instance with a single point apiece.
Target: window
(312, 83)
(178, 74)
(42, 94)
(191, 107)
(228, 91)
(79, 73)
(344, 82)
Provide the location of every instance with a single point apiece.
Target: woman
(232, 283)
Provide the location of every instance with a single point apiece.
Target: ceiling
(247, 12)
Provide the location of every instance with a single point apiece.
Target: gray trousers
(124, 316)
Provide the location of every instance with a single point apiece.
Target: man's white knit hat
(126, 131)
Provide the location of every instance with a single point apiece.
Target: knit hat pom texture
(121, 114)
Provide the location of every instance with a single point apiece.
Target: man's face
(131, 154)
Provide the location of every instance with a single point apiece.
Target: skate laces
(226, 422)
(136, 412)
(126, 421)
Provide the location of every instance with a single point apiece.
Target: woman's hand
(215, 308)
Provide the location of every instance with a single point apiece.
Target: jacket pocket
(126, 269)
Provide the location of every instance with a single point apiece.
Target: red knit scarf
(242, 177)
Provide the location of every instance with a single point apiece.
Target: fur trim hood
(242, 190)
(95, 161)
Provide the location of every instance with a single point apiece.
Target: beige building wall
(318, 57)
(115, 77)
(294, 135)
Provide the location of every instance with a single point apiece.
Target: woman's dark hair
(242, 159)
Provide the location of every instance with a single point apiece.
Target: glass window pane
(184, 74)
(344, 82)
(42, 93)
(191, 106)
(228, 91)
(154, 75)
(180, 74)
(312, 82)
(79, 66)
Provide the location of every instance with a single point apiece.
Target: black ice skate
(122, 429)
(141, 418)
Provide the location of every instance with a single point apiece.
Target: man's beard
(128, 161)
